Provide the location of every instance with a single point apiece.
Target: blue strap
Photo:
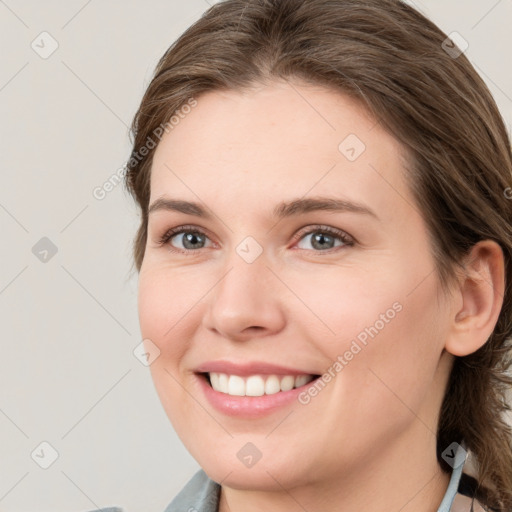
(459, 461)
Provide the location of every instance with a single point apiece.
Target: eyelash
(346, 239)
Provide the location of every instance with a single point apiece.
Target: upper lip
(248, 368)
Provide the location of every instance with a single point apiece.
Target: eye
(191, 238)
(323, 238)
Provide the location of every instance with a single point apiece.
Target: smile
(255, 385)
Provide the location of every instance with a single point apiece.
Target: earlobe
(481, 289)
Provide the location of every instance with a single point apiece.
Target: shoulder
(108, 509)
(470, 492)
(200, 494)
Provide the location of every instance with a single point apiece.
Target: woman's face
(257, 282)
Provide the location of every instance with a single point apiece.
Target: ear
(481, 290)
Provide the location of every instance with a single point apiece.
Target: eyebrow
(285, 209)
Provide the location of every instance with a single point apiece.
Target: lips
(251, 368)
(253, 404)
(252, 379)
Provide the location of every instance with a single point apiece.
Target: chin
(249, 478)
(265, 475)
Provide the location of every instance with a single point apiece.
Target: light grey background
(68, 375)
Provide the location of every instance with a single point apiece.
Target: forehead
(278, 139)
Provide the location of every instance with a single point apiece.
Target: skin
(367, 440)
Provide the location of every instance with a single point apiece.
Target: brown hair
(392, 59)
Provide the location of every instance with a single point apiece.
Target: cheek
(388, 332)
(346, 303)
(166, 302)
(394, 372)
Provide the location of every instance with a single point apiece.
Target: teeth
(301, 380)
(272, 385)
(236, 386)
(256, 385)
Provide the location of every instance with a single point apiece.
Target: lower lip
(249, 406)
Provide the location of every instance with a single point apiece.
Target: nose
(245, 303)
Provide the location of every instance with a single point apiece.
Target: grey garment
(202, 494)
(108, 509)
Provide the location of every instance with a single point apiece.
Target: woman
(324, 260)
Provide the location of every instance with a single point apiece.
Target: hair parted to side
(389, 57)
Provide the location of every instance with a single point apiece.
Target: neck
(405, 478)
